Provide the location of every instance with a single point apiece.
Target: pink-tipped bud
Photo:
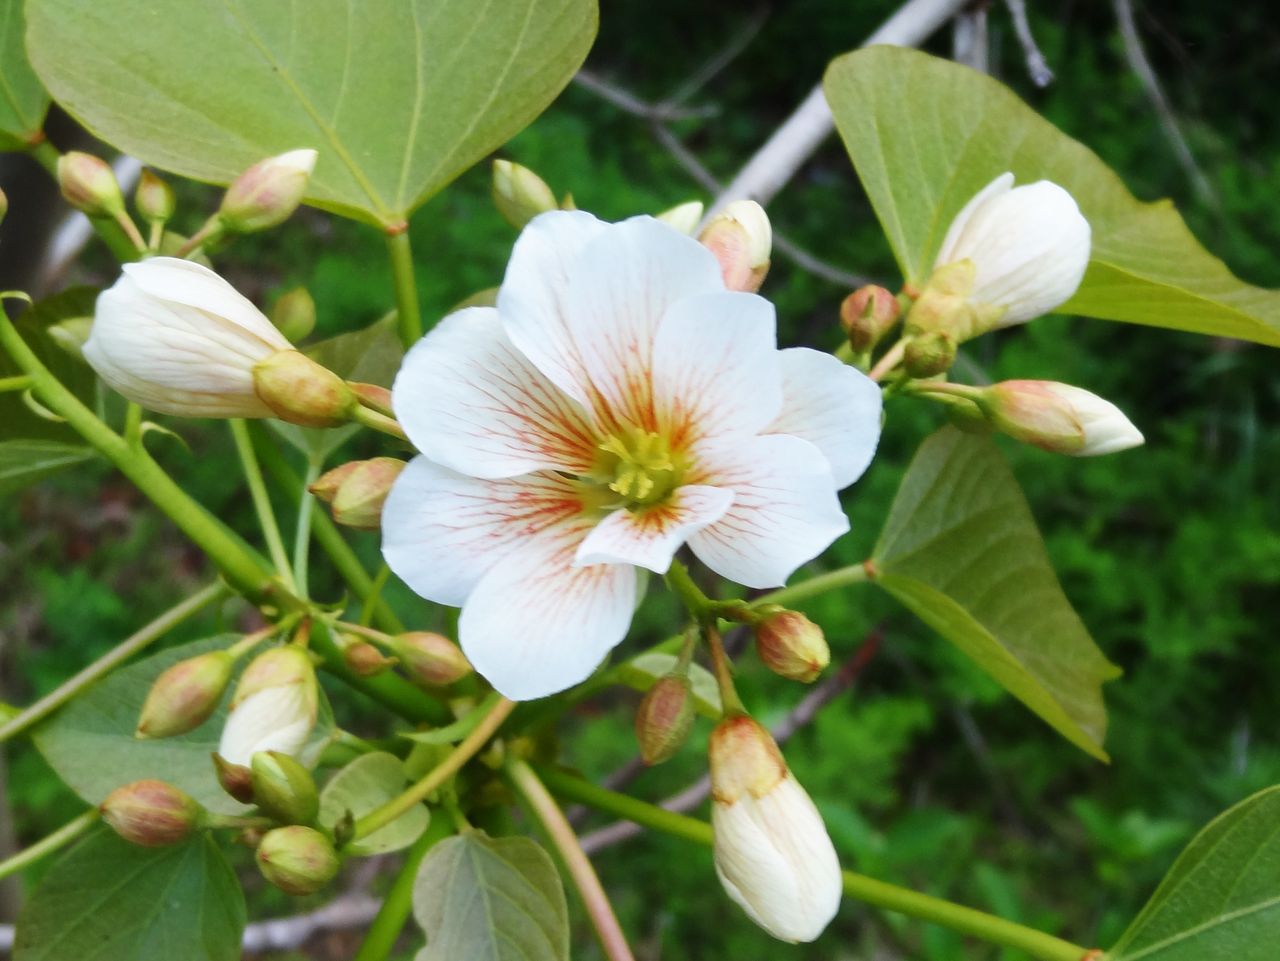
(294, 314)
(154, 198)
(235, 779)
(298, 860)
(300, 391)
(1058, 417)
(283, 788)
(929, 354)
(365, 660)
(268, 192)
(356, 491)
(664, 718)
(791, 645)
(89, 184)
(185, 695)
(151, 813)
(742, 240)
(867, 315)
(373, 396)
(519, 193)
(431, 660)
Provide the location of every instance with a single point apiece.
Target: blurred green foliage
(927, 773)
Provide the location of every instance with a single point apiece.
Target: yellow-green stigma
(639, 467)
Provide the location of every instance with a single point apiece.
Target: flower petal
(949, 251)
(650, 537)
(620, 288)
(470, 400)
(715, 367)
(535, 624)
(533, 300)
(833, 406)
(785, 510)
(442, 531)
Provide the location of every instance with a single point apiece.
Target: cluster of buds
(356, 491)
(741, 238)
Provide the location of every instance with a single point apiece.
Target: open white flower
(617, 403)
(1029, 247)
(177, 338)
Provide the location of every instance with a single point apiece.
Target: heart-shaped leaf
(23, 101)
(961, 550)
(366, 783)
(398, 98)
(926, 134)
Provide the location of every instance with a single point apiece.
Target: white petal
(273, 719)
(535, 624)
(1106, 428)
(833, 406)
(533, 298)
(620, 288)
(716, 367)
(649, 538)
(785, 510)
(442, 531)
(470, 400)
(949, 251)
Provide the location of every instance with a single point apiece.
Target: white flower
(1059, 417)
(617, 403)
(1029, 246)
(274, 719)
(772, 851)
(177, 338)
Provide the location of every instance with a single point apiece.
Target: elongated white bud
(274, 708)
(1058, 417)
(772, 851)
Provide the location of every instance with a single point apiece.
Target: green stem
(302, 529)
(368, 417)
(108, 662)
(892, 357)
(382, 816)
(243, 570)
(46, 154)
(46, 846)
(562, 836)
(131, 231)
(369, 603)
(890, 897)
(678, 579)
(723, 670)
(408, 315)
(261, 501)
(386, 927)
(20, 382)
(842, 577)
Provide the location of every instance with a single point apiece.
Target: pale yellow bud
(519, 193)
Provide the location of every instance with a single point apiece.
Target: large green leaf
(399, 98)
(24, 462)
(491, 899)
(108, 900)
(1221, 899)
(927, 134)
(961, 550)
(369, 782)
(90, 742)
(23, 101)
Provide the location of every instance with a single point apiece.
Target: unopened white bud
(1029, 247)
(772, 851)
(274, 708)
(1058, 417)
(177, 338)
(268, 192)
(519, 193)
(742, 240)
(684, 217)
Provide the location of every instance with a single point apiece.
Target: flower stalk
(48, 845)
(408, 314)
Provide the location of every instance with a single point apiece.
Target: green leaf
(370, 356)
(108, 900)
(23, 101)
(398, 98)
(643, 670)
(24, 462)
(961, 550)
(496, 899)
(1221, 899)
(366, 783)
(927, 134)
(90, 742)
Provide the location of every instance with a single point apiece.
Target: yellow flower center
(639, 466)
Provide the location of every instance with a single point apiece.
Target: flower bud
(929, 354)
(742, 240)
(283, 788)
(356, 491)
(772, 852)
(177, 338)
(274, 708)
(89, 184)
(664, 718)
(294, 314)
(267, 193)
(683, 217)
(154, 198)
(1029, 247)
(185, 695)
(151, 813)
(300, 391)
(431, 660)
(298, 860)
(235, 779)
(519, 193)
(867, 315)
(1058, 417)
(791, 645)
(364, 659)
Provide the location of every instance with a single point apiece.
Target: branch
(969, 41)
(1037, 66)
(629, 103)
